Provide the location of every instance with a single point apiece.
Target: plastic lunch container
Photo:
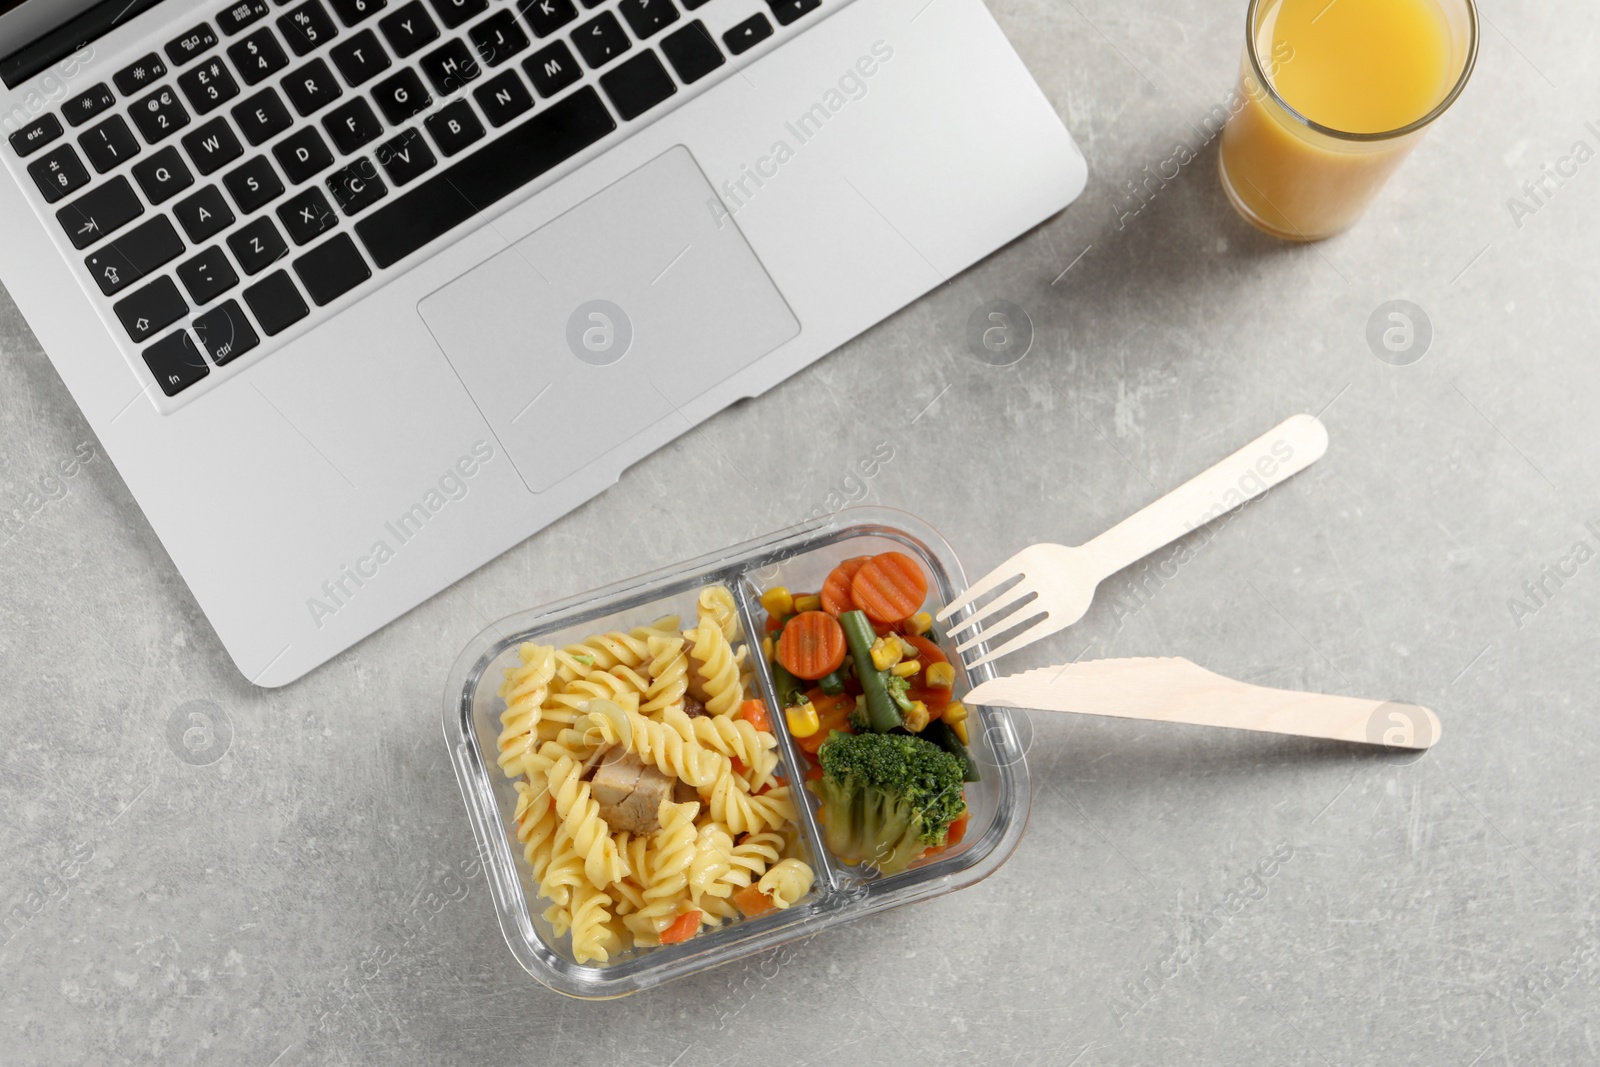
(799, 558)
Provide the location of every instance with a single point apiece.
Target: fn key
(176, 363)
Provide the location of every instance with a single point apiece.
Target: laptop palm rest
(608, 319)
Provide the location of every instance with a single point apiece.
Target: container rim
(1439, 109)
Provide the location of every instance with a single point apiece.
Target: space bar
(492, 173)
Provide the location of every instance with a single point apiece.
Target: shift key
(99, 212)
(150, 309)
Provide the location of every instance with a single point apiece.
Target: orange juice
(1349, 84)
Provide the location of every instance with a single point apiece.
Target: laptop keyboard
(271, 160)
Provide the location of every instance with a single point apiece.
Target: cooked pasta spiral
(743, 813)
(524, 691)
(713, 848)
(669, 673)
(718, 670)
(716, 603)
(567, 706)
(787, 882)
(669, 744)
(672, 851)
(580, 818)
(738, 739)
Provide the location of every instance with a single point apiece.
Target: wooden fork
(1058, 582)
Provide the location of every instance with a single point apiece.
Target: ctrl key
(176, 362)
(225, 333)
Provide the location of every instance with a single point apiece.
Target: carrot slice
(683, 928)
(751, 900)
(927, 651)
(937, 699)
(812, 645)
(889, 587)
(754, 712)
(836, 590)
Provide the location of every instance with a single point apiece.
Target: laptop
(358, 294)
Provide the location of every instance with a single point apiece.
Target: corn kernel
(916, 720)
(955, 712)
(768, 649)
(941, 675)
(803, 720)
(777, 601)
(809, 602)
(960, 730)
(886, 652)
(906, 668)
(920, 623)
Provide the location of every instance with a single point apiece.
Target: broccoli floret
(887, 797)
(860, 722)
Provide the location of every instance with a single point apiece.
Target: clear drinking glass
(1296, 178)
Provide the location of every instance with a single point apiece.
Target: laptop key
(406, 157)
(638, 85)
(213, 146)
(454, 12)
(692, 52)
(787, 11)
(451, 67)
(332, 269)
(307, 215)
(163, 175)
(191, 45)
(138, 76)
(175, 362)
(59, 173)
(401, 96)
(159, 115)
(351, 12)
(303, 154)
(87, 104)
(648, 17)
(262, 117)
(547, 16)
(352, 125)
(600, 40)
(204, 214)
(208, 86)
(109, 144)
(552, 69)
(312, 87)
(361, 58)
(225, 333)
(207, 276)
(243, 14)
(277, 304)
(498, 38)
(307, 27)
(99, 212)
(258, 246)
(258, 57)
(749, 33)
(433, 207)
(454, 128)
(409, 28)
(254, 185)
(692, 4)
(151, 309)
(35, 135)
(356, 187)
(136, 253)
(503, 98)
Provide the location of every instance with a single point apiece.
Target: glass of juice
(1332, 96)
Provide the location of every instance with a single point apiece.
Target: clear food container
(799, 558)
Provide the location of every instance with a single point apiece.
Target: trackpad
(608, 319)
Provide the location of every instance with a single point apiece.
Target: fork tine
(1005, 602)
(1010, 569)
(1017, 610)
(1039, 630)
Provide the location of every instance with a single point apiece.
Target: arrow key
(749, 33)
(99, 212)
(152, 308)
(176, 362)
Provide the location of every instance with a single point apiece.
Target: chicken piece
(630, 792)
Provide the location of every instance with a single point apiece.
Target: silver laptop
(358, 294)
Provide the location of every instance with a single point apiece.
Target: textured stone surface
(1437, 911)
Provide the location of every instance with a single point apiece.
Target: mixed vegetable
(868, 697)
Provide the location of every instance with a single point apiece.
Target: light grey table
(310, 897)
